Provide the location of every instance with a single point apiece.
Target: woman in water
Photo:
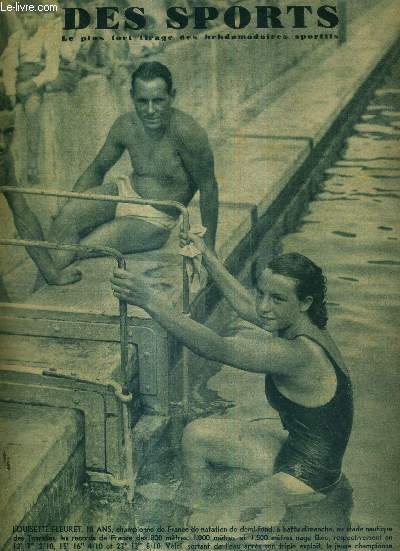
(306, 379)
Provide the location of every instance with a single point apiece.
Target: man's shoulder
(126, 120)
(187, 129)
(123, 126)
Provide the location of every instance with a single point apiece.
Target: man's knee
(64, 219)
(141, 235)
(159, 236)
(57, 224)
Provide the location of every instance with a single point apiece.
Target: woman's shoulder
(321, 340)
(314, 351)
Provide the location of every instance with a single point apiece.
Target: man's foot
(67, 277)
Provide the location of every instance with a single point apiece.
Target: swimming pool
(352, 230)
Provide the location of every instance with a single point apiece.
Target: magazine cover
(199, 290)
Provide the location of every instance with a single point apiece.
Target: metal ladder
(123, 317)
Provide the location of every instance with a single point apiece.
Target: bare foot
(67, 277)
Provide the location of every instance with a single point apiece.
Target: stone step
(41, 465)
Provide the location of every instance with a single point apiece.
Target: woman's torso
(318, 435)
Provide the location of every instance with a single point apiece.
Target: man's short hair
(151, 70)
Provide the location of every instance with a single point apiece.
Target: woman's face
(277, 302)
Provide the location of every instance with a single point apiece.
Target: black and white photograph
(199, 275)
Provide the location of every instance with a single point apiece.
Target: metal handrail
(123, 307)
(118, 199)
(123, 310)
(122, 304)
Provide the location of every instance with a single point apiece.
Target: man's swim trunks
(146, 212)
(318, 436)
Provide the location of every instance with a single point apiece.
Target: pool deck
(37, 444)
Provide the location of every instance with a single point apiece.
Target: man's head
(153, 94)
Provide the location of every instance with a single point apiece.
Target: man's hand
(65, 277)
(131, 288)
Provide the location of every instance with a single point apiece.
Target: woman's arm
(260, 355)
(240, 298)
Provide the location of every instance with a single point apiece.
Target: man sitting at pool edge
(171, 159)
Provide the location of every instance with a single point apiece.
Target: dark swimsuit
(318, 436)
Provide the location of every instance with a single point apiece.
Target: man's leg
(77, 218)
(95, 221)
(128, 235)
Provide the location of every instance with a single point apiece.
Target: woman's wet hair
(151, 70)
(311, 282)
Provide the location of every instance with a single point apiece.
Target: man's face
(277, 302)
(152, 103)
(6, 133)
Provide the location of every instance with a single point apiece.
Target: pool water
(352, 231)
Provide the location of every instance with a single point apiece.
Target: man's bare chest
(160, 160)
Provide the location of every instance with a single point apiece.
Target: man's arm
(104, 160)
(9, 61)
(205, 178)
(51, 47)
(199, 162)
(209, 210)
